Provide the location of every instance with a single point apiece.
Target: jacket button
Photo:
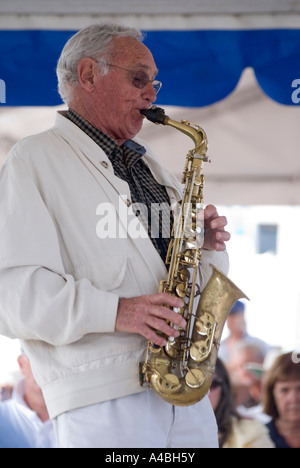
(104, 164)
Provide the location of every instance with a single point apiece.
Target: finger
(220, 246)
(169, 315)
(150, 334)
(220, 238)
(218, 223)
(223, 236)
(161, 326)
(210, 212)
(166, 299)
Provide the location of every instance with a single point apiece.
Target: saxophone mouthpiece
(156, 115)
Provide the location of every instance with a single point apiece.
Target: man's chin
(137, 127)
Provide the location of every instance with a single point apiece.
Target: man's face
(117, 102)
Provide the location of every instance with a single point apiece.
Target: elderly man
(84, 303)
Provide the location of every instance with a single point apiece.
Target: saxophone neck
(197, 134)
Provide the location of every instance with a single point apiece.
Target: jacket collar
(96, 161)
(97, 157)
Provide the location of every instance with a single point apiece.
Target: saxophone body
(182, 371)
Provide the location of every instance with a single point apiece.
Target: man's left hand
(215, 234)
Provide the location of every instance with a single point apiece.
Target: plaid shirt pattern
(129, 165)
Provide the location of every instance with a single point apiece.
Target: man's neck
(86, 114)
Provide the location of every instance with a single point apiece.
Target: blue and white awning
(197, 67)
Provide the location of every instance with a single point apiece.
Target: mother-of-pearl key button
(171, 338)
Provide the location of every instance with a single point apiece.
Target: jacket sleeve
(38, 300)
(218, 259)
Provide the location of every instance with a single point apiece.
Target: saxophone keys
(184, 275)
(171, 339)
(205, 328)
(194, 378)
(189, 256)
(155, 349)
(181, 289)
(199, 351)
(183, 284)
(169, 383)
(205, 324)
(172, 349)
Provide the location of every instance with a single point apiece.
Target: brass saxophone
(182, 371)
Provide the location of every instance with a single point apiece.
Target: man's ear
(87, 74)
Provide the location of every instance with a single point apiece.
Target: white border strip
(144, 7)
(154, 22)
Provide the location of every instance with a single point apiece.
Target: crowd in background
(256, 391)
(255, 395)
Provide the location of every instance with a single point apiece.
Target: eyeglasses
(140, 79)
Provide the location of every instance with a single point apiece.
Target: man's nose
(149, 92)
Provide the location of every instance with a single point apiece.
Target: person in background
(234, 431)
(246, 384)
(237, 326)
(282, 402)
(5, 391)
(24, 419)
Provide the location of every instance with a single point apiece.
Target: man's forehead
(132, 51)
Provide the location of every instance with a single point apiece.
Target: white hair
(94, 41)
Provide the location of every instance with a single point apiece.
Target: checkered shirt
(129, 165)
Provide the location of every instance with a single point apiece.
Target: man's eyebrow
(146, 67)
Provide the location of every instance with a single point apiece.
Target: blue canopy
(197, 68)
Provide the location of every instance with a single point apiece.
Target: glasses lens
(140, 79)
(157, 86)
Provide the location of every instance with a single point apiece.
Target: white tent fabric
(145, 7)
(154, 14)
(253, 147)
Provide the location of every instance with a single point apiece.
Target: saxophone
(182, 371)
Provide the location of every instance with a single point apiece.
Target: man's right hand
(147, 315)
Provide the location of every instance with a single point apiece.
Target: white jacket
(59, 282)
